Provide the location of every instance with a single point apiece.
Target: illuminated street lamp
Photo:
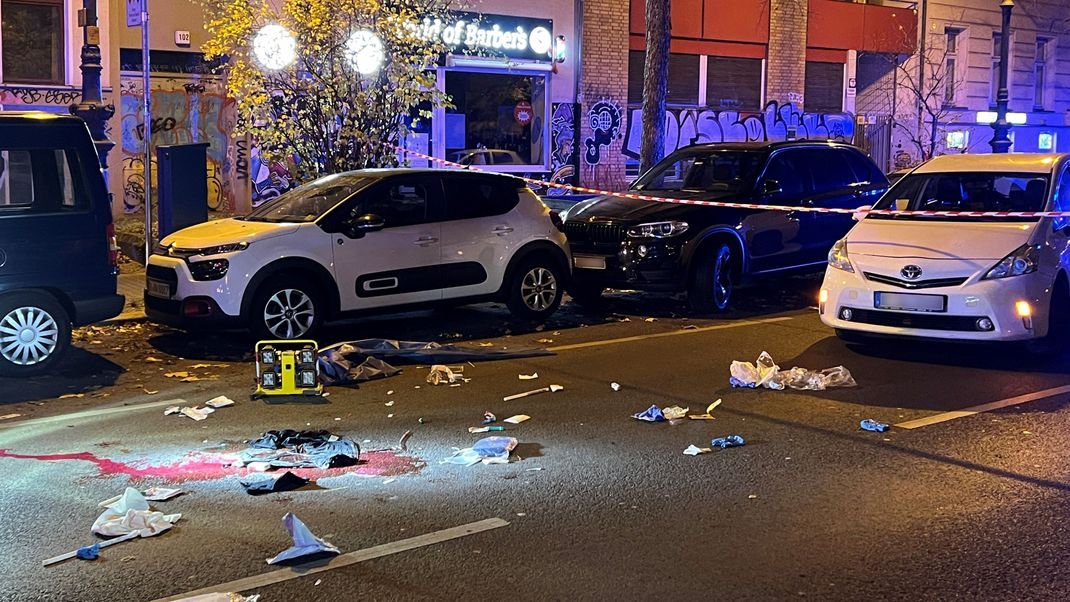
(1001, 141)
(364, 52)
(274, 47)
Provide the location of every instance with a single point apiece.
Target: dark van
(58, 255)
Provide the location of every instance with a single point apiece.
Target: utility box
(182, 180)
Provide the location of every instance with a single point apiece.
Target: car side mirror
(861, 213)
(771, 187)
(359, 226)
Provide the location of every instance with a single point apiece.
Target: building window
(32, 36)
(683, 78)
(824, 87)
(494, 119)
(1046, 141)
(957, 139)
(951, 62)
(997, 46)
(734, 83)
(1040, 72)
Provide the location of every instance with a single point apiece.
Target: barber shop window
(498, 119)
(32, 36)
(399, 203)
(39, 181)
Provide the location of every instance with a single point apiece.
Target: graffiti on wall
(24, 95)
(776, 122)
(183, 111)
(563, 158)
(605, 120)
(267, 179)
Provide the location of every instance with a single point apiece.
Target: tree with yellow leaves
(325, 82)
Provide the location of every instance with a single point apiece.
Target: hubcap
(538, 289)
(289, 313)
(722, 277)
(28, 336)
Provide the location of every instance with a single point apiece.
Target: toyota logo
(911, 272)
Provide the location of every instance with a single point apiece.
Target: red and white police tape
(656, 199)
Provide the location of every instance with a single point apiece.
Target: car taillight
(113, 246)
(555, 218)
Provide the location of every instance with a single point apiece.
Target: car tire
(289, 308)
(35, 331)
(535, 288)
(712, 285)
(587, 295)
(1055, 341)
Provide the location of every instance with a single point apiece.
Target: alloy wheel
(28, 336)
(289, 313)
(538, 289)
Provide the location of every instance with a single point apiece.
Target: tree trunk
(655, 82)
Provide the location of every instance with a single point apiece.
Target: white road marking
(91, 413)
(672, 333)
(986, 407)
(293, 572)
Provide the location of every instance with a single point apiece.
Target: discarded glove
(651, 414)
(694, 450)
(89, 552)
(260, 483)
(729, 441)
(305, 542)
(873, 425)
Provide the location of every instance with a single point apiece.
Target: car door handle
(425, 241)
(503, 230)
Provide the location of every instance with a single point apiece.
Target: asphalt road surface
(594, 505)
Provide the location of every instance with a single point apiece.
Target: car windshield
(703, 171)
(966, 191)
(307, 203)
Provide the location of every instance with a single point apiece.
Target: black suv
(706, 251)
(57, 243)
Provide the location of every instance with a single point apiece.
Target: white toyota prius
(959, 277)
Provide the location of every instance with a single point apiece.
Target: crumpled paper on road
(132, 513)
(765, 373)
(305, 542)
(444, 375)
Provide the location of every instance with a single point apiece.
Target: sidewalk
(132, 286)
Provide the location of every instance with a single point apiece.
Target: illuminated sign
(493, 35)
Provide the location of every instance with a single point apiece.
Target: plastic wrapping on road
(675, 412)
(342, 363)
(765, 373)
(301, 449)
(259, 483)
(305, 542)
(651, 414)
(729, 441)
(489, 450)
(131, 513)
(872, 425)
(444, 375)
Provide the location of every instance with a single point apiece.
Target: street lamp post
(1001, 141)
(92, 108)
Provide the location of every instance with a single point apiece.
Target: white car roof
(1017, 162)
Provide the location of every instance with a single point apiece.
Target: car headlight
(658, 230)
(838, 256)
(213, 269)
(220, 249)
(1023, 260)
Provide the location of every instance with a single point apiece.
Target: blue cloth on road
(729, 441)
(259, 482)
(873, 425)
(651, 414)
(89, 552)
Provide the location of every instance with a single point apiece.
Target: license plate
(910, 302)
(589, 262)
(157, 288)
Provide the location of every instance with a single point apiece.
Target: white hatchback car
(370, 240)
(980, 278)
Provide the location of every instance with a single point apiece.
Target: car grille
(916, 284)
(162, 274)
(924, 321)
(595, 232)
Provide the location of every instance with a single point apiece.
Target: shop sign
(493, 35)
(523, 112)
